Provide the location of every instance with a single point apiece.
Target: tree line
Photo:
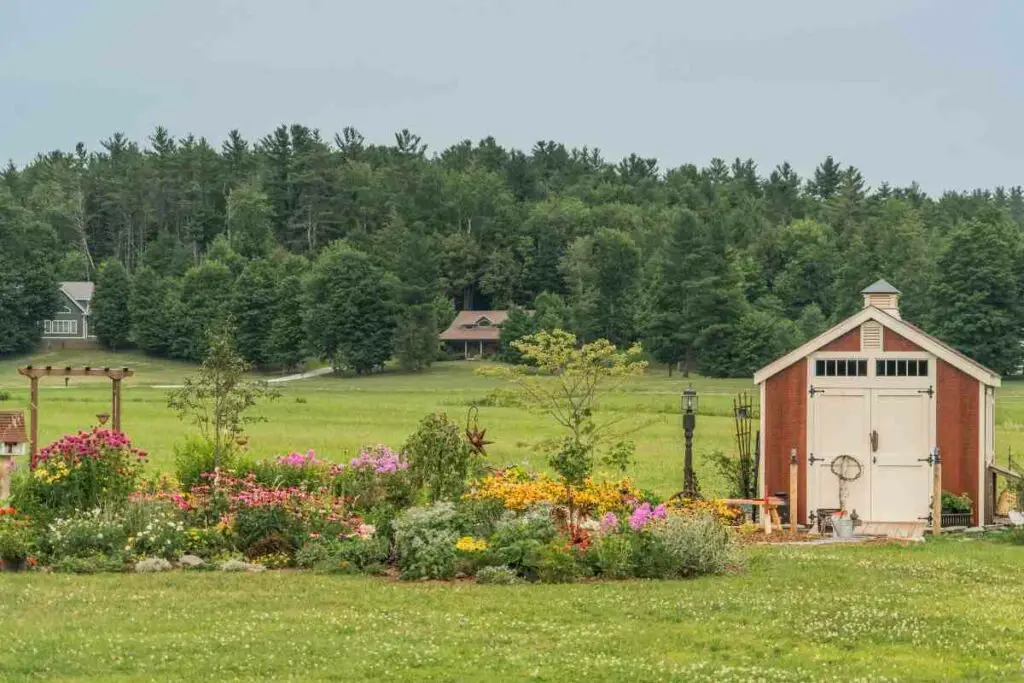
(358, 252)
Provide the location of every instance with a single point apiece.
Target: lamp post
(690, 487)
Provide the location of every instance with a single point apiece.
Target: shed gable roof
(12, 427)
(901, 327)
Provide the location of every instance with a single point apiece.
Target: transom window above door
(841, 367)
(901, 367)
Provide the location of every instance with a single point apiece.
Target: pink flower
(641, 516)
(609, 522)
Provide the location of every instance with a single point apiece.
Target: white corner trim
(71, 299)
(762, 485)
(982, 456)
(901, 328)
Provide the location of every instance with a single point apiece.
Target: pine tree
(110, 316)
(205, 304)
(146, 304)
(976, 298)
(827, 178)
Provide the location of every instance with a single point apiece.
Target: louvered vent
(871, 336)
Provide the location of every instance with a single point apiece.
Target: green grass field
(941, 611)
(336, 415)
(944, 610)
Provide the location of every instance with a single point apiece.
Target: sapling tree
(565, 383)
(218, 397)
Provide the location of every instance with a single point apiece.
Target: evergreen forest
(357, 253)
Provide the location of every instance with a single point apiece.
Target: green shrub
(557, 564)
(519, 541)
(698, 544)
(480, 517)
(439, 458)
(207, 542)
(497, 575)
(253, 524)
(162, 536)
(351, 555)
(89, 564)
(271, 545)
(87, 534)
(612, 555)
(194, 458)
(425, 542)
(1015, 536)
(953, 503)
(651, 557)
(15, 543)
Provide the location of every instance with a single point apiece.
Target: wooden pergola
(114, 374)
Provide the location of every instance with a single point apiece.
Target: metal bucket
(842, 527)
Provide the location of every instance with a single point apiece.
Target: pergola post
(115, 404)
(33, 412)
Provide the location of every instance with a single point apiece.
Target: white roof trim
(929, 344)
(72, 300)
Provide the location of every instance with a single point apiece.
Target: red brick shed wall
(785, 426)
(896, 342)
(957, 431)
(848, 342)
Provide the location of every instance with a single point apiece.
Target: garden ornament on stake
(847, 469)
(474, 434)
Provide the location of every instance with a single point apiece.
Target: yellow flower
(519, 493)
(471, 545)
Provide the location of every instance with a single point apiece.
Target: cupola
(883, 296)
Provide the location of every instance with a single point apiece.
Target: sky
(906, 90)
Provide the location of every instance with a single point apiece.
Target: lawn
(337, 415)
(946, 610)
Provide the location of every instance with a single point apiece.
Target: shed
(881, 390)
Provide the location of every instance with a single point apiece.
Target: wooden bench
(769, 509)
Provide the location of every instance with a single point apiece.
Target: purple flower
(641, 515)
(609, 522)
(659, 512)
(380, 459)
(298, 460)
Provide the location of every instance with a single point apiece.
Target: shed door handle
(874, 441)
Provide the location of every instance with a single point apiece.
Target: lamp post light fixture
(690, 487)
(102, 417)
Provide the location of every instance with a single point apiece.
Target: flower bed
(91, 511)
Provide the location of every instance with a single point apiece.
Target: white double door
(889, 432)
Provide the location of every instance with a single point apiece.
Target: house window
(841, 367)
(483, 322)
(901, 367)
(60, 326)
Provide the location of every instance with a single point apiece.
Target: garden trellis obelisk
(34, 374)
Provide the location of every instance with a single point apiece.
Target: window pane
(819, 368)
(901, 368)
(841, 368)
(830, 368)
(890, 368)
(862, 368)
(880, 368)
(922, 368)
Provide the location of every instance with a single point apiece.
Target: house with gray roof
(70, 321)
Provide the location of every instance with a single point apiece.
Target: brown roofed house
(474, 334)
(13, 439)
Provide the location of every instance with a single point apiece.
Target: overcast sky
(904, 89)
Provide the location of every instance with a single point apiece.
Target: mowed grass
(940, 611)
(336, 415)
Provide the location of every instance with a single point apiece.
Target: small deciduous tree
(566, 385)
(217, 399)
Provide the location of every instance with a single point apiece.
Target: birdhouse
(13, 440)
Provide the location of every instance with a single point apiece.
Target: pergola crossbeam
(115, 375)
